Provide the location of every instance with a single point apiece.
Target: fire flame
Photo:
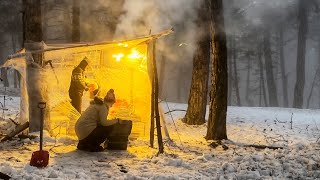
(118, 56)
(123, 44)
(135, 55)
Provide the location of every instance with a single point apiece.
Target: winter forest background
(262, 40)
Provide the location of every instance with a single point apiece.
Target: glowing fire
(118, 56)
(123, 44)
(135, 55)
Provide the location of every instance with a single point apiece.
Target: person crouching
(92, 128)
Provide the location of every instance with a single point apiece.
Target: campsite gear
(131, 75)
(93, 89)
(40, 158)
(19, 128)
(118, 138)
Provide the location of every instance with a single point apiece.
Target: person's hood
(83, 64)
(97, 100)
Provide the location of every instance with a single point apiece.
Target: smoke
(141, 16)
(262, 12)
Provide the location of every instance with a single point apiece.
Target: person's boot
(96, 149)
(83, 147)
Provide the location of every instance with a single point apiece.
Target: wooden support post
(152, 112)
(156, 95)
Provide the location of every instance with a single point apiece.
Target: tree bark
(35, 83)
(197, 102)
(312, 87)
(32, 21)
(262, 79)
(272, 89)
(248, 93)
(283, 70)
(76, 21)
(230, 76)
(235, 71)
(219, 82)
(16, 74)
(301, 53)
(4, 76)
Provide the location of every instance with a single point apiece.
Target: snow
(188, 155)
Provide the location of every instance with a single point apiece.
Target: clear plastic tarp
(122, 66)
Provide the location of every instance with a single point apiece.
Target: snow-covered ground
(189, 155)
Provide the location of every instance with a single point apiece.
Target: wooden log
(17, 130)
(263, 146)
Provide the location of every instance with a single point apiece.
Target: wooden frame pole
(156, 95)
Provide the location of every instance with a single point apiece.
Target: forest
(224, 89)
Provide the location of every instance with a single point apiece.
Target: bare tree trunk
(312, 87)
(32, 21)
(76, 21)
(33, 33)
(217, 129)
(235, 72)
(319, 56)
(283, 70)
(16, 74)
(300, 68)
(262, 79)
(4, 76)
(199, 85)
(272, 90)
(66, 23)
(249, 102)
(230, 76)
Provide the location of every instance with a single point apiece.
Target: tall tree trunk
(272, 90)
(230, 76)
(283, 70)
(319, 56)
(76, 21)
(312, 86)
(262, 79)
(4, 77)
(301, 53)
(248, 93)
(33, 33)
(235, 71)
(16, 74)
(200, 74)
(217, 129)
(32, 21)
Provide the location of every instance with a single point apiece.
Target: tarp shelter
(124, 66)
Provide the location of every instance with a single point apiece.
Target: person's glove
(119, 120)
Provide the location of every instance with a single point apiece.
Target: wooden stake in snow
(155, 90)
